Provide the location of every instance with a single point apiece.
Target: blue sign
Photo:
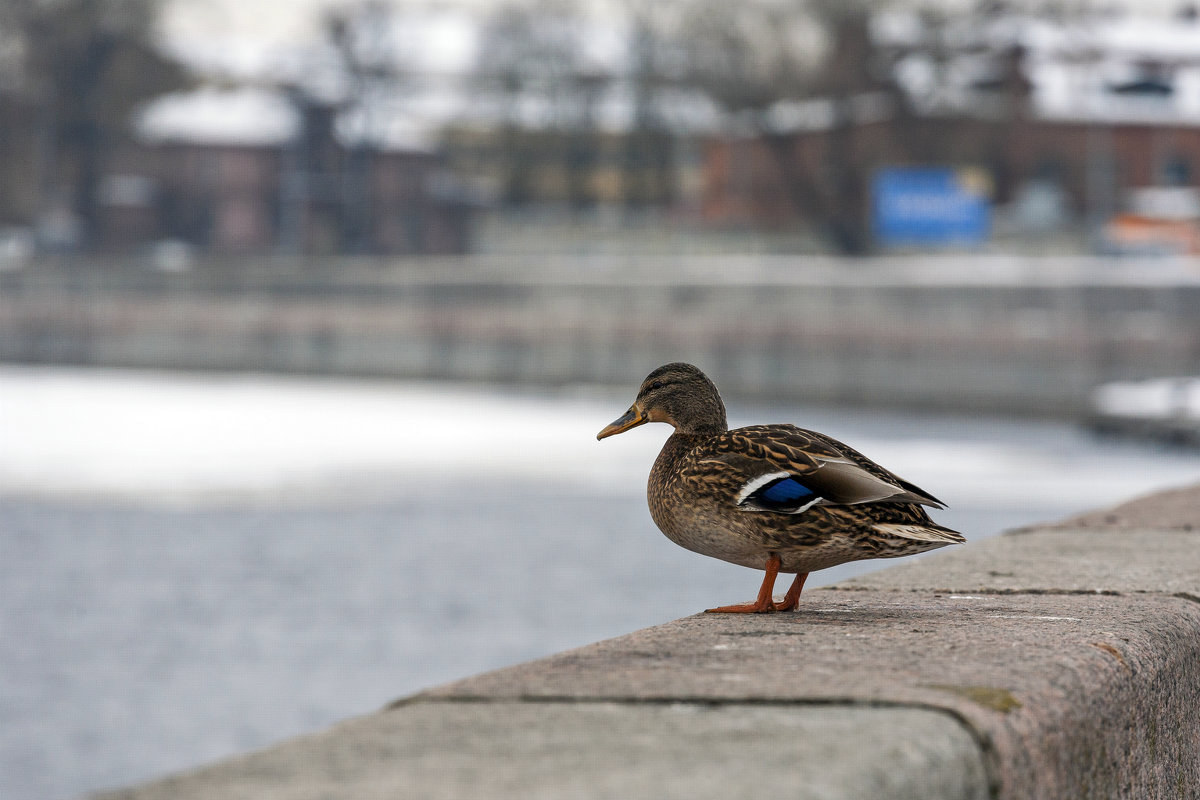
(930, 206)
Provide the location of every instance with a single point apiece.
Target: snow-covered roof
(427, 49)
(430, 53)
(1075, 69)
(242, 116)
(268, 118)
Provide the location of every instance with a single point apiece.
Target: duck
(778, 498)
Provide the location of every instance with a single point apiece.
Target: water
(194, 566)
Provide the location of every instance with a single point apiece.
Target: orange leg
(764, 604)
(792, 598)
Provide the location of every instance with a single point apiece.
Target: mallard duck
(771, 497)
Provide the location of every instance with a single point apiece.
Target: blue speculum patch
(784, 491)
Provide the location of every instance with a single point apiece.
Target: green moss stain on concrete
(996, 699)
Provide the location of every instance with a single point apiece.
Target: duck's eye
(654, 387)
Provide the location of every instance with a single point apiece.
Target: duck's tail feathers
(920, 533)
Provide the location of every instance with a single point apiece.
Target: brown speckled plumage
(710, 489)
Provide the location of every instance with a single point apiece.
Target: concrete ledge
(1058, 662)
(582, 750)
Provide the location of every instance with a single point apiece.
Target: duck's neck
(676, 448)
(660, 490)
(702, 414)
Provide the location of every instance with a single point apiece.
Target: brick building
(253, 171)
(1094, 113)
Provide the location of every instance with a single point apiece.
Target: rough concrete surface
(1177, 509)
(1061, 689)
(1061, 662)
(1056, 560)
(547, 751)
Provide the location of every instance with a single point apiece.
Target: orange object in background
(1160, 220)
(1132, 232)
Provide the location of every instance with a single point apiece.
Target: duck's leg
(764, 603)
(792, 598)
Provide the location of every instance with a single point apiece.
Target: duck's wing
(787, 470)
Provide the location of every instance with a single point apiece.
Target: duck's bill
(630, 419)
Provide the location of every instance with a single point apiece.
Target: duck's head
(678, 394)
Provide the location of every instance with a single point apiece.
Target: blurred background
(310, 313)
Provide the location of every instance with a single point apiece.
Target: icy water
(194, 566)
